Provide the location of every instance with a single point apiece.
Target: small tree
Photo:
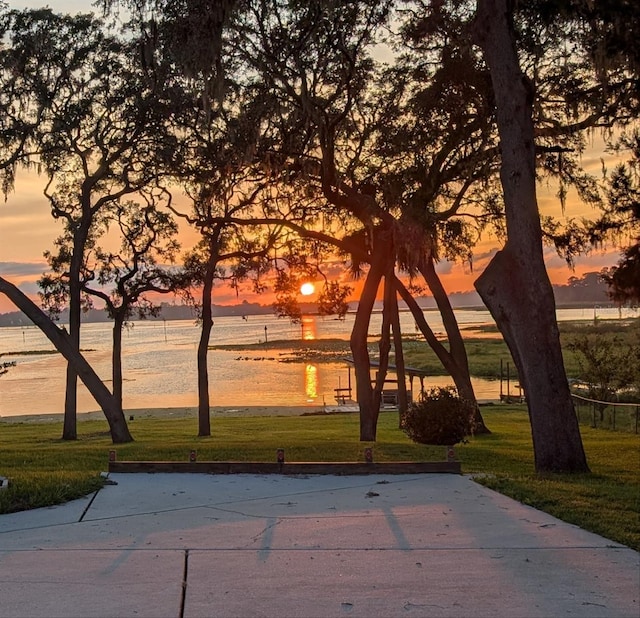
(125, 278)
(286, 305)
(333, 299)
(607, 365)
(100, 131)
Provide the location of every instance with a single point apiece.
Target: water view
(159, 362)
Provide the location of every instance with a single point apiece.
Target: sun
(306, 289)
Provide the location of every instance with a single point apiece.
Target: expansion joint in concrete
(86, 510)
(185, 577)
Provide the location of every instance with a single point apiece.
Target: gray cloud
(594, 259)
(444, 267)
(22, 269)
(485, 255)
(30, 288)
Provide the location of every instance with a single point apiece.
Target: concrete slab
(165, 492)
(87, 583)
(455, 583)
(250, 545)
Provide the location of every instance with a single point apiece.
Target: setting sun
(306, 289)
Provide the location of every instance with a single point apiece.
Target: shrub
(608, 366)
(440, 417)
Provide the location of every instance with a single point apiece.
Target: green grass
(484, 357)
(44, 470)
(485, 353)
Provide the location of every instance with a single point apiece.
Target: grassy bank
(485, 348)
(44, 470)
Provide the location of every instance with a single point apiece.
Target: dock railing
(607, 414)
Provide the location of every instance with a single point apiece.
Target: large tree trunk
(69, 427)
(461, 376)
(362, 365)
(61, 341)
(204, 413)
(515, 286)
(116, 359)
(70, 418)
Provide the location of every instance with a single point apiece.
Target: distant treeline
(167, 312)
(587, 290)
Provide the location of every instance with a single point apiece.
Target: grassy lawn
(44, 470)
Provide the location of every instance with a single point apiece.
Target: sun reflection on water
(311, 382)
(309, 332)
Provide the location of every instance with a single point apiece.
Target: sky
(27, 228)
(59, 6)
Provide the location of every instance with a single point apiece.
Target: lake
(159, 362)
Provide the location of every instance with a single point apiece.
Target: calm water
(159, 360)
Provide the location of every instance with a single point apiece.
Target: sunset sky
(27, 228)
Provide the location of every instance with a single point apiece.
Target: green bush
(440, 417)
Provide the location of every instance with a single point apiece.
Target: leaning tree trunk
(515, 286)
(362, 365)
(384, 347)
(459, 375)
(61, 341)
(462, 375)
(391, 298)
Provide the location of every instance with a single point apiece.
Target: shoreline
(187, 413)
